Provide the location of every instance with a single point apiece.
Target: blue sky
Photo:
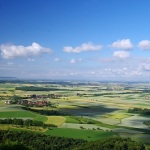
(75, 39)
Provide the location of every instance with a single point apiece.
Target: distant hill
(8, 78)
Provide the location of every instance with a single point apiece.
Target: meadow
(17, 114)
(94, 110)
(89, 135)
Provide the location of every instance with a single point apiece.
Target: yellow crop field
(55, 120)
(119, 115)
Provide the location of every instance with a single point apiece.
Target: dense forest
(35, 141)
(24, 140)
(112, 144)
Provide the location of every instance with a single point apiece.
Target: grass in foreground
(89, 135)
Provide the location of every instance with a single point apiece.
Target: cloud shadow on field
(91, 111)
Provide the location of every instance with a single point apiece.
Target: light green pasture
(85, 126)
(5, 107)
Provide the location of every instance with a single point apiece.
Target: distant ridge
(8, 78)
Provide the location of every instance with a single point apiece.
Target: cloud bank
(11, 51)
(144, 67)
(83, 47)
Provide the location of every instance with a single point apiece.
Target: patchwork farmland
(94, 110)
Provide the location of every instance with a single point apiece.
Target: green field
(40, 118)
(89, 135)
(17, 114)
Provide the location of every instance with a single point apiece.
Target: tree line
(34, 88)
(141, 111)
(22, 122)
(116, 143)
(45, 112)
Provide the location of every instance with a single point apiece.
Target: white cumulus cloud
(144, 45)
(124, 44)
(57, 59)
(121, 54)
(12, 51)
(83, 47)
(74, 61)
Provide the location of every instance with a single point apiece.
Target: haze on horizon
(75, 39)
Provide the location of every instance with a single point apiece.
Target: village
(34, 100)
